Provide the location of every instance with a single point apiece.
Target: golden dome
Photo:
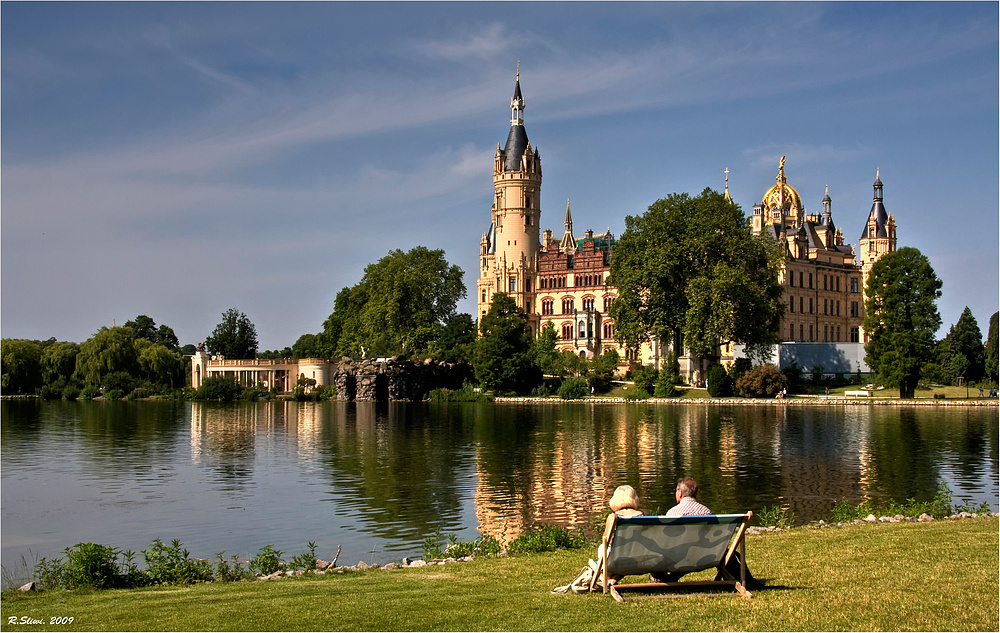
(782, 195)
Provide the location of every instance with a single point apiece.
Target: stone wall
(395, 378)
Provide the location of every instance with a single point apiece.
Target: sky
(180, 159)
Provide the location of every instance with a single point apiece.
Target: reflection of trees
(398, 465)
(903, 465)
(223, 437)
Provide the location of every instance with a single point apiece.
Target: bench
(660, 544)
(860, 393)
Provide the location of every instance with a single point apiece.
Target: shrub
(86, 565)
(266, 562)
(761, 382)
(306, 560)
(467, 393)
(90, 392)
(573, 388)
(740, 366)
(222, 388)
(114, 394)
(118, 381)
(665, 388)
(776, 516)
(170, 564)
(229, 570)
(546, 538)
(50, 392)
(645, 377)
(719, 384)
(636, 394)
(71, 392)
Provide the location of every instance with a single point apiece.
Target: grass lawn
(941, 575)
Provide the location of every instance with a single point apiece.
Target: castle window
(838, 333)
(810, 309)
(583, 329)
(810, 279)
(567, 331)
(791, 331)
(854, 310)
(826, 334)
(825, 307)
(588, 304)
(513, 284)
(484, 296)
(810, 331)
(854, 284)
(791, 280)
(548, 307)
(838, 307)
(609, 331)
(855, 338)
(569, 261)
(801, 332)
(791, 305)
(527, 284)
(838, 284)
(567, 306)
(801, 304)
(607, 303)
(800, 280)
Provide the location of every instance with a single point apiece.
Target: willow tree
(692, 267)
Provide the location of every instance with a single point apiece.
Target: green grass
(908, 576)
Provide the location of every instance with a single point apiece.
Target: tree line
(688, 271)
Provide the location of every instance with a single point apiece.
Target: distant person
(687, 505)
(624, 503)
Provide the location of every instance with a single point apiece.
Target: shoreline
(824, 401)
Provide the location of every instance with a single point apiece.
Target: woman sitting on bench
(624, 503)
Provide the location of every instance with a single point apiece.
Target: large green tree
(109, 350)
(992, 348)
(144, 327)
(504, 358)
(901, 317)
(20, 365)
(963, 352)
(691, 266)
(402, 303)
(235, 337)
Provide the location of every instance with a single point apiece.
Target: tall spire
(568, 242)
(517, 102)
(878, 185)
(728, 197)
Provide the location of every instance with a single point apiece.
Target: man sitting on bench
(687, 505)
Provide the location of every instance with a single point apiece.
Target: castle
(564, 281)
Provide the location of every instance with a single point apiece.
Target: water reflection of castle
(409, 468)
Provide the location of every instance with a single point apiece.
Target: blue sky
(180, 159)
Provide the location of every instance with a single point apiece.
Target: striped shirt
(688, 507)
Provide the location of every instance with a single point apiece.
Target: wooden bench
(660, 544)
(860, 393)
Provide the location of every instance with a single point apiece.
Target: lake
(378, 479)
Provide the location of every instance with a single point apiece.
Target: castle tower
(509, 248)
(781, 206)
(879, 236)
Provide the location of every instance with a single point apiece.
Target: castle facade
(564, 281)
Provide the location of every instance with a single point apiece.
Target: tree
(108, 350)
(901, 317)
(992, 348)
(601, 370)
(161, 365)
(59, 362)
(144, 327)
(547, 354)
(764, 381)
(400, 305)
(503, 357)
(692, 266)
(235, 338)
(963, 352)
(457, 340)
(20, 365)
